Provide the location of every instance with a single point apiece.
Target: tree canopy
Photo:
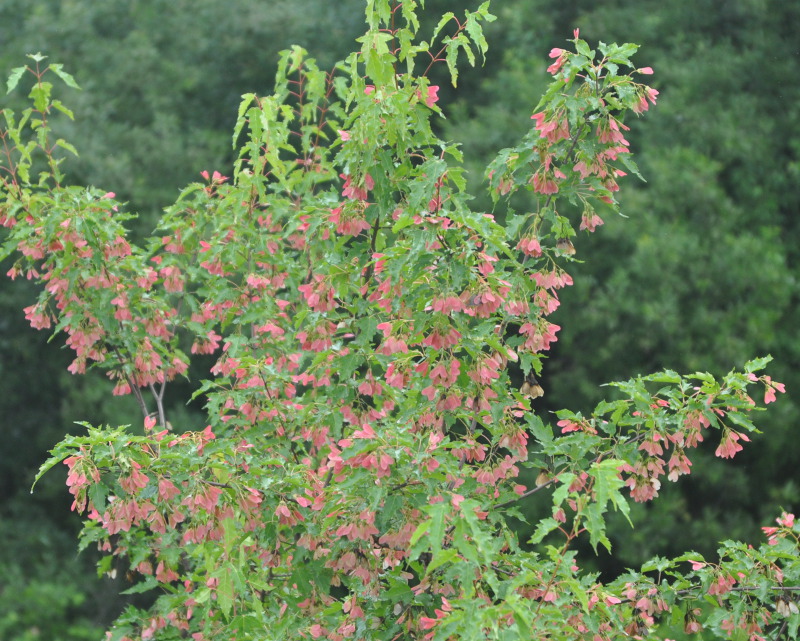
(699, 277)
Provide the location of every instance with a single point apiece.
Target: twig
(159, 396)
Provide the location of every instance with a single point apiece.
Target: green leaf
(582, 48)
(452, 60)
(13, 78)
(145, 586)
(464, 544)
(244, 105)
(59, 453)
(521, 618)
(621, 53)
(438, 512)
(514, 224)
(440, 558)
(97, 495)
(596, 526)
(225, 589)
(607, 487)
(757, 364)
(483, 11)
(40, 94)
(57, 104)
(65, 145)
(667, 376)
(543, 528)
(447, 17)
(422, 529)
(657, 564)
(475, 31)
(740, 420)
(67, 78)
(378, 60)
(631, 166)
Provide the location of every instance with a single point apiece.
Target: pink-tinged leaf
(432, 96)
(366, 432)
(426, 623)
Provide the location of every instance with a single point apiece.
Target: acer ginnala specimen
(370, 333)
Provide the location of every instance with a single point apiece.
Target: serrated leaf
(475, 32)
(225, 590)
(120, 632)
(631, 166)
(452, 60)
(442, 22)
(541, 432)
(596, 526)
(521, 619)
(667, 376)
(514, 224)
(740, 420)
(656, 564)
(247, 100)
(440, 558)
(13, 78)
(464, 545)
(621, 53)
(544, 527)
(65, 145)
(757, 364)
(67, 78)
(483, 10)
(59, 454)
(148, 584)
(437, 524)
(97, 495)
(57, 104)
(422, 528)
(40, 94)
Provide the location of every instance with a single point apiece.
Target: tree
(377, 345)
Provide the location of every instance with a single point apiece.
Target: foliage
(702, 271)
(162, 78)
(366, 421)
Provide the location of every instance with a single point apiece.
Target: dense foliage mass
(376, 344)
(703, 270)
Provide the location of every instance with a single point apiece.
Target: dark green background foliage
(701, 276)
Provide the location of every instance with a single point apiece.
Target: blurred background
(702, 275)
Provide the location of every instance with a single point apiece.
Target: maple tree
(376, 349)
